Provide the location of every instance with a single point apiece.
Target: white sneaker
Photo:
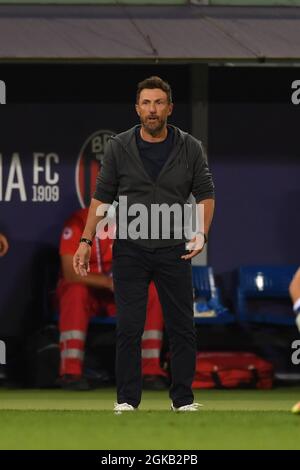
(191, 407)
(119, 407)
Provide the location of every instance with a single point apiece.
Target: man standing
(152, 164)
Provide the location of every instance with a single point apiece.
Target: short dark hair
(154, 82)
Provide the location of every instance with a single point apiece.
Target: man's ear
(171, 105)
(137, 109)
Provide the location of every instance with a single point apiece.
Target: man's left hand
(195, 246)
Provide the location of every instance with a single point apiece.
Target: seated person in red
(81, 298)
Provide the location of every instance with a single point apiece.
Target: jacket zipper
(154, 183)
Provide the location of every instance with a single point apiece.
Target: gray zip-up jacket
(123, 174)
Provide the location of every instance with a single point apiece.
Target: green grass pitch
(236, 419)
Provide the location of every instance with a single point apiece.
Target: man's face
(153, 109)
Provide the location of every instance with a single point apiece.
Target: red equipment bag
(232, 370)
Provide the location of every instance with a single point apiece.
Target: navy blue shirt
(154, 154)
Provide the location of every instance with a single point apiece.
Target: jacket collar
(127, 139)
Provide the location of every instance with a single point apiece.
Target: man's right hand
(81, 259)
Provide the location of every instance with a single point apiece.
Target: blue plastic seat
(263, 294)
(208, 308)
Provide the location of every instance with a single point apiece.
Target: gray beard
(154, 131)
